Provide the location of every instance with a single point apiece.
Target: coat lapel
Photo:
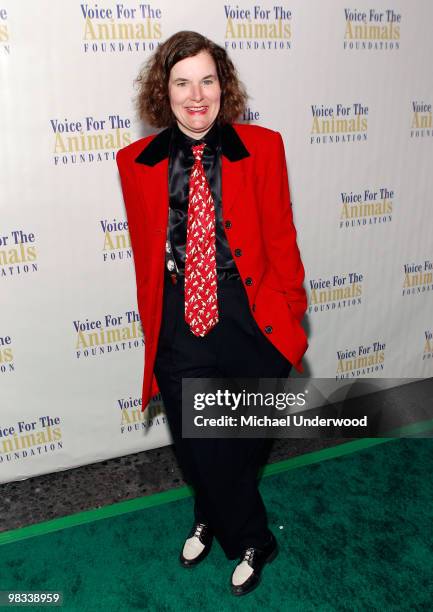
(155, 156)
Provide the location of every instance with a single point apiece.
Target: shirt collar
(211, 139)
(158, 148)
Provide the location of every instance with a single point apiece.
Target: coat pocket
(278, 323)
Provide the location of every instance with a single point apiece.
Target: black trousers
(222, 471)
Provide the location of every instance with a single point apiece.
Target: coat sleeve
(278, 230)
(131, 200)
(132, 204)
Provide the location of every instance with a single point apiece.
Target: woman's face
(195, 93)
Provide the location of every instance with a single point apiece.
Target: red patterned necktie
(201, 304)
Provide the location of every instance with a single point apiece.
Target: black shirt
(181, 161)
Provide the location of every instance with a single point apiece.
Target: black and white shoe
(247, 573)
(197, 545)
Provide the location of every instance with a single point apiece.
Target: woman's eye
(206, 82)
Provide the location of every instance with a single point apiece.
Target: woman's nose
(196, 93)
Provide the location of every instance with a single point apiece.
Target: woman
(219, 276)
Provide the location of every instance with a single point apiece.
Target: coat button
(268, 329)
(238, 252)
(248, 280)
(228, 224)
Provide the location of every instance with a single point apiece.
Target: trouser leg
(222, 471)
(174, 361)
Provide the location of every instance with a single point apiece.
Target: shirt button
(238, 252)
(228, 224)
(268, 329)
(248, 280)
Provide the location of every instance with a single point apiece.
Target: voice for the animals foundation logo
(116, 241)
(371, 29)
(133, 419)
(18, 253)
(366, 207)
(89, 139)
(30, 438)
(121, 28)
(7, 364)
(5, 47)
(428, 345)
(418, 278)
(421, 123)
(336, 292)
(338, 123)
(360, 361)
(255, 27)
(110, 334)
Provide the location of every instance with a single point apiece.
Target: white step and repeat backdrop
(349, 86)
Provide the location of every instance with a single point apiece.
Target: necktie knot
(197, 151)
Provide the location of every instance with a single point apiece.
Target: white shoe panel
(192, 548)
(242, 572)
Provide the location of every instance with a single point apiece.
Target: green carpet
(355, 533)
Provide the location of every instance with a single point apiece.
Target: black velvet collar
(232, 146)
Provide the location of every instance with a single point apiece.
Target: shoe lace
(198, 529)
(248, 555)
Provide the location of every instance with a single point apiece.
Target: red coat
(257, 217)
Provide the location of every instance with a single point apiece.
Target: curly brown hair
(152, 101)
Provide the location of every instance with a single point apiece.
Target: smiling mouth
(196, 109)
